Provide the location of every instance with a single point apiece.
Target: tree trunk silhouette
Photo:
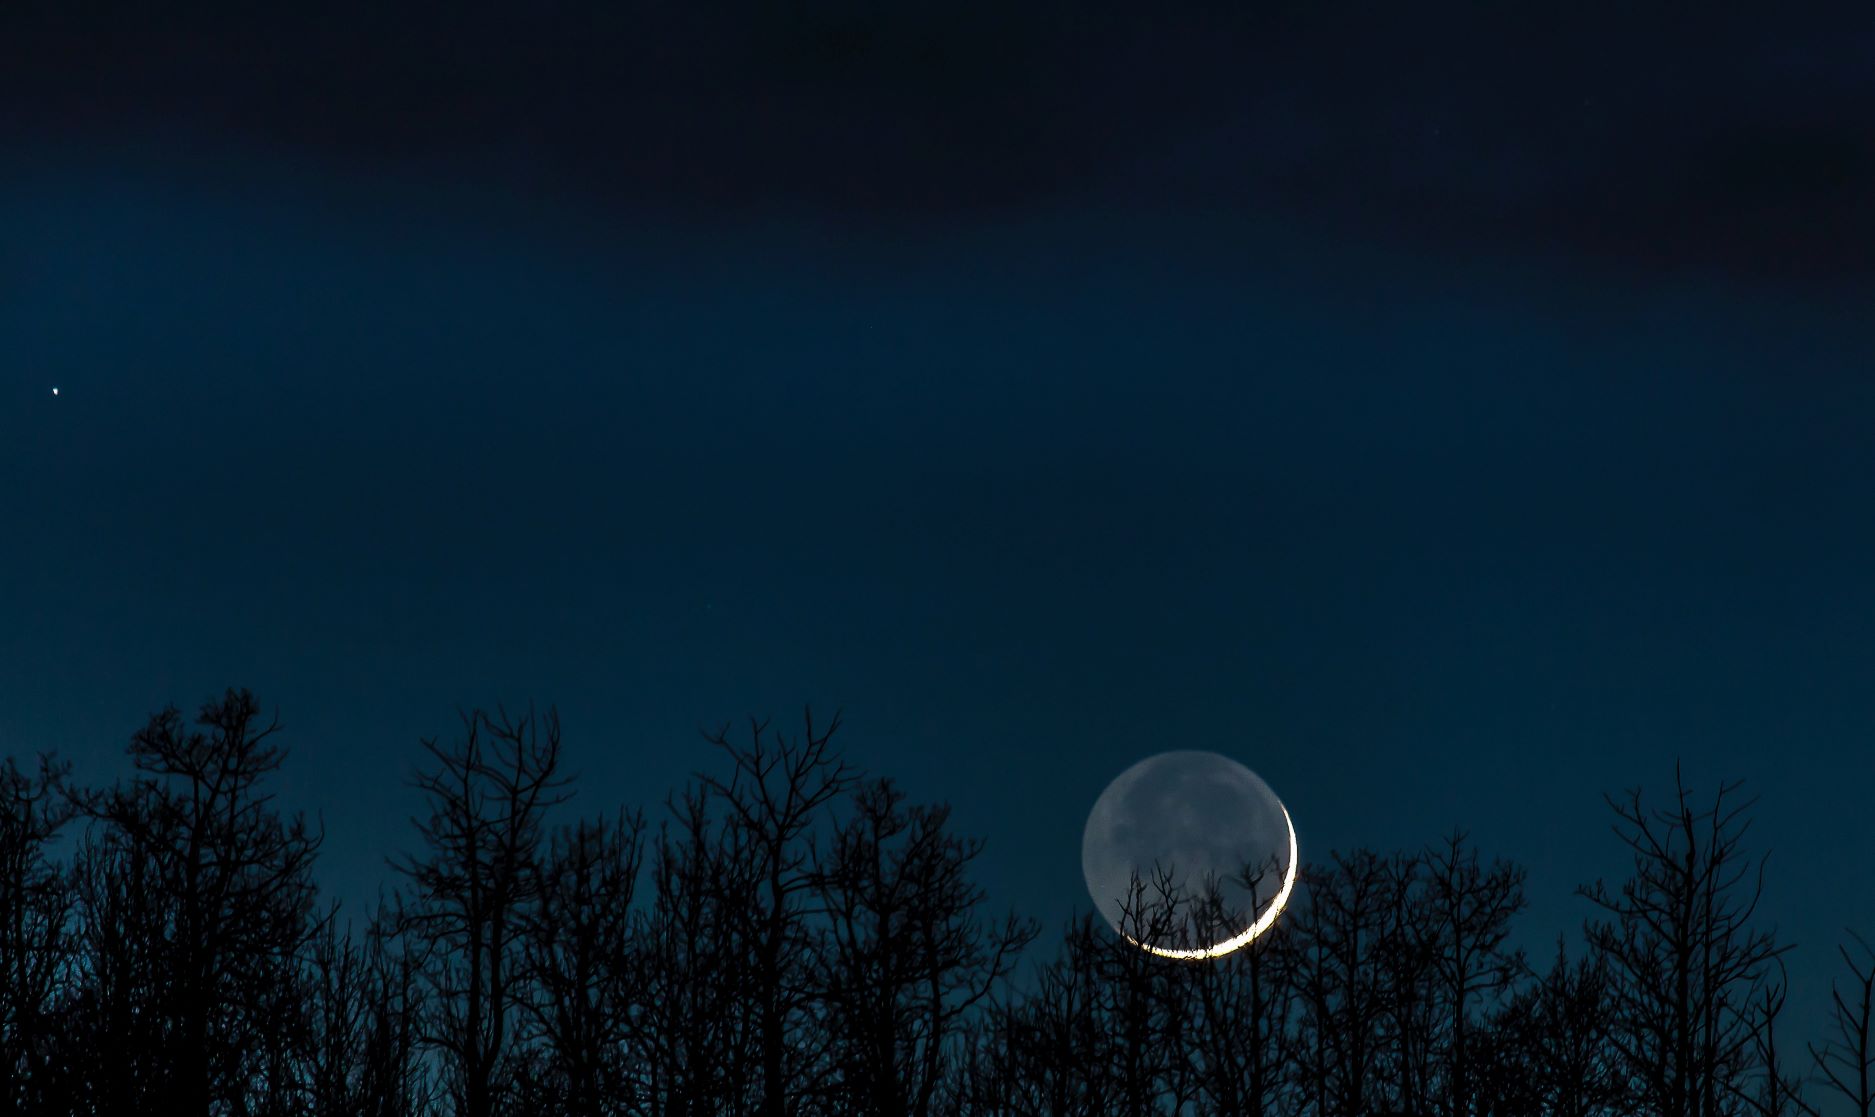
(1684, 956)
(1550, 1048)
(1467, 911)
(910, 960)
(776, 791)
(471, 890)
(1242, 1003)
(35, 932)
(579, 962)
(1340, 987)
(691, 1032)
(197, 902)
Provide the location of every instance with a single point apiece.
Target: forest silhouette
(786, 935)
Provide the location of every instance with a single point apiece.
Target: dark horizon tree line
(793, 937)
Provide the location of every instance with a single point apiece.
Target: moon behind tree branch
(1263, 922)
(1178, 818)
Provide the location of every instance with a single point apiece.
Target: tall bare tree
(1343, 927)
(361, 1056)
(1414, 1023)
(471, 888)
(910, 959)
(1242, 1006)
(1049, 1053)
(35, 933)
(336, 1008)
(1549, 1050)
(1463, 931)
(691, 1042)
(196, 903)
(117, 1001)
(1685, 955)
(580, 963)
(775, 792)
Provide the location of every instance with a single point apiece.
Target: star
(55, 391)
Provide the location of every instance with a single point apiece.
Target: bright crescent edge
(1263, 923)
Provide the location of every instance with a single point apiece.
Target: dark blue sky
(1448, 504)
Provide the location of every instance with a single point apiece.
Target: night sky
(1452, 412)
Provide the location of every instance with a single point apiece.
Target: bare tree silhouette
(337, 1009)
(813, 945)
(123, 911)
(472, 888)
(1103, 1031)
(195, 900)
(1048, 1054)
(1241, 1005)
(776, 791)
(1844, 1061)
(909, 959)
(363, 1022)
(35, 932)
(1341, 991)
(1413, 1024)
(1777, 1092)
(1550, 1050)
(580, 965)
(1460, 924)
(1685, 957)
(691, 1036)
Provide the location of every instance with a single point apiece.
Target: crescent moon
(1264, 922)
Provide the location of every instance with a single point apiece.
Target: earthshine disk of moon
(1199, 819)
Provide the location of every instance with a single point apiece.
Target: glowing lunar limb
(1263, 923)
(1188, 821)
